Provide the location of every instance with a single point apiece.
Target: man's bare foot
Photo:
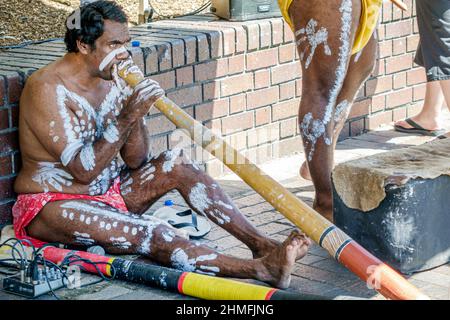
(325, 209)
(265, 249)
(276, 267)
(304, 171)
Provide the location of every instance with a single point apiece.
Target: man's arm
(135, 151)
(55, 125)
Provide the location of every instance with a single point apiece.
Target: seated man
(337, 48)
(86, 178)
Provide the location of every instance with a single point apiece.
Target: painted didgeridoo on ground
(339, 245)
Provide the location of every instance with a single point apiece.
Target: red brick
(2, 91)
(236, 84)
(387, 12)
(262, 79)
(286, 53)
(378, 119)
(151, 61)
(414, 109)
(285, 72)
(298, 87)
(264, 134)
(399, 80)
(412, 42)
(166, 80)
(287, 147)
(262, 97)
(238, 122)
(238, 140)
(287, 90)
(262, 116)
(211, 110)
(241, 39)
(288, 34)
(211, 90)
(419, 92)
(398, 63)
(187, 96)
(236, 64)
(385, 49)
(15, 87)
(396, 13)
(399, 46)
(398, 29)
(285, 109)
(252, 36)
(360, 108)
(378, 103)
(238, 103)
(164, 57)
(158, 144)
(229, 42)
(158, 125)
(178, 52)
(211, 70)
(262, 59)
(15, 116)
(416, 76)
(4, 119)
(7, 188)
(378, 85)
(408, 13)
(266, 33)
(5, 166)
(17, 163)
(191, 49)
(288, 128)
(399, 97)
(399, 113)
(277, 31)
(215, 125)
(9, 142)
(184, 76)
(5, 213)
(356, 127)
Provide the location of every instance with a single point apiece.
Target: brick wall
(242, 80)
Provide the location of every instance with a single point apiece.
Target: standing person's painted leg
(360, 66)
(325, 31)
(173, 171)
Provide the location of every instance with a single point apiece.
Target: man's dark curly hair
(92, 17)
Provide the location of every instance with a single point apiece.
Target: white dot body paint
(168, 236)
(83, 238)
(102, 224)
(181, 261)
(48, 175)
(110, 57)
(88, 221)
(312, 129)
(223, 204)
(114, 224)
(134, 231)
(171, 157)
(120, 242)
(314, 38)
(126, 229)
(71, 215)
(147, 173)
(199, 198)
(148, 224)
(108, 226)
(64, 214)
(82, 217)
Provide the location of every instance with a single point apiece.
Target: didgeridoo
(340, 246)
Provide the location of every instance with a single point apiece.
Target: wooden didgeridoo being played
(340, 246)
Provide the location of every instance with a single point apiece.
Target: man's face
(109, 48)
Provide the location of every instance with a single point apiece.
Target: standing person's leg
(325, 32)
(360, 66)
(433, 53)
(429, 117)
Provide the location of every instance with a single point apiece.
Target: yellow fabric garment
(368, 22)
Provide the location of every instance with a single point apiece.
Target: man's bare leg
(325, 31)
(173, 171)
(429, 116)
(360, 66)
(85, 223)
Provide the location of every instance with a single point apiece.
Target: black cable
(28, 43)
(200, 9)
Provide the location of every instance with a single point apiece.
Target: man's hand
(144, 96)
